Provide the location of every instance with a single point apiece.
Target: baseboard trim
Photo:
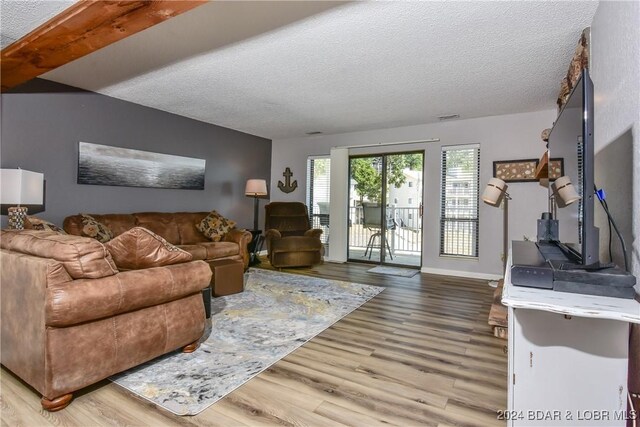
(458, 273)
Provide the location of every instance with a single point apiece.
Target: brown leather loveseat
(178, 229)
(69, 318)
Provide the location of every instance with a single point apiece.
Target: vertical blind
(318, 191)
(459, 195)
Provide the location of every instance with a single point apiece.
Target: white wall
(615, 71)
(515, 136)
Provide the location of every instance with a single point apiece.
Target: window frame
(473, 237)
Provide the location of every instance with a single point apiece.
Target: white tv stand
(568, 357)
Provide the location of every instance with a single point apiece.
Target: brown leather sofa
(178, 229)
(69, 318)
(291, 242)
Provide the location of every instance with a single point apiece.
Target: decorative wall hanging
(106, 165)
(287, 186)
(556, 168)
(515, 170)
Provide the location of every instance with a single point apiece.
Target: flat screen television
(571, 140)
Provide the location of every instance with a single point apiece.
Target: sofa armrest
(272, 234)
(314, 232)
(269, 235)
(24, 286)
(242, 238)
(90, 299)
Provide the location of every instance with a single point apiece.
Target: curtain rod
(380, 144)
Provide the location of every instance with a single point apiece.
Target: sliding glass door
(385, 208)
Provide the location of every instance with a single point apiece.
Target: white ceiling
(281, 69)
(18, 18)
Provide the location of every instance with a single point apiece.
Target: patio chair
(372, 220)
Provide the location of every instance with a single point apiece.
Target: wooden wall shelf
(542, 170)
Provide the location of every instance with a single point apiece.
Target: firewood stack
(579, 62)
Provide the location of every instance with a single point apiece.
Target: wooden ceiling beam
(79, 30)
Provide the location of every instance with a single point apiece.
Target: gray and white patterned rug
(276, 314)
(394, 271)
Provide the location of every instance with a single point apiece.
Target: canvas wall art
(106, 165)
(515, 170)
(556, 168)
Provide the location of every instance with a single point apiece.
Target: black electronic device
(609, 282)
(528, 267)
(571, 139)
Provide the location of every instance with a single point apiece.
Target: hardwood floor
(419, 353)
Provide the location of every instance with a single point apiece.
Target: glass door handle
(420, 210)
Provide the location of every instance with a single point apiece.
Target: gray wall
(507, 137)
(42, 123)
(615, 67)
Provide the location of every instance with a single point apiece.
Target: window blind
(318, 191)
(459, 195)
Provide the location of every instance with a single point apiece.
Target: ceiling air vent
(314, 132)
(448, 117)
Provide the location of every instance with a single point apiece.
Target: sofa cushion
(33, 223)
(87, 300)
(117, 223)
(83, 258)
(95, 229)
(215, 226)
(296, 244)
(140, 248)
(196, 251)
(160, 223)
(186, 223)
(220, 249)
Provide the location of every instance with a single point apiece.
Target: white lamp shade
(565, 191)
(256, 187)
(21, 187)
(494, 191)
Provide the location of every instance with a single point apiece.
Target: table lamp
(255, 188)
(19, 187)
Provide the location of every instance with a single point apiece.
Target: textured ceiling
(281, 69)
(18, 18)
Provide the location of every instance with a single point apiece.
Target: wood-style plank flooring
(419, 354)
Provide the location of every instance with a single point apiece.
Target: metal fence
(404, 231)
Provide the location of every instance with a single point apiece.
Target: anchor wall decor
(287, 186)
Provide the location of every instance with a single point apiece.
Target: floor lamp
(494, 193)
(255, 188)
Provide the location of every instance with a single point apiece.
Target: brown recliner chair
(291, 242)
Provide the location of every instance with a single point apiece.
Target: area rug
(394, 271)
(276, 314)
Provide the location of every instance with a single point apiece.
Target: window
(459, 200)
(410, 184)
(318, 186)
(395, 200)
(410, 201)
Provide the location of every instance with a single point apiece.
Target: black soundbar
(548, 269)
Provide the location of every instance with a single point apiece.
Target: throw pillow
(33, 223)
(214, 226)
(95, 229)
(140, 248)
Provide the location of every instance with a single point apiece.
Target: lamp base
(16, 217)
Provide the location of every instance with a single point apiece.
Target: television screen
(571, 140)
